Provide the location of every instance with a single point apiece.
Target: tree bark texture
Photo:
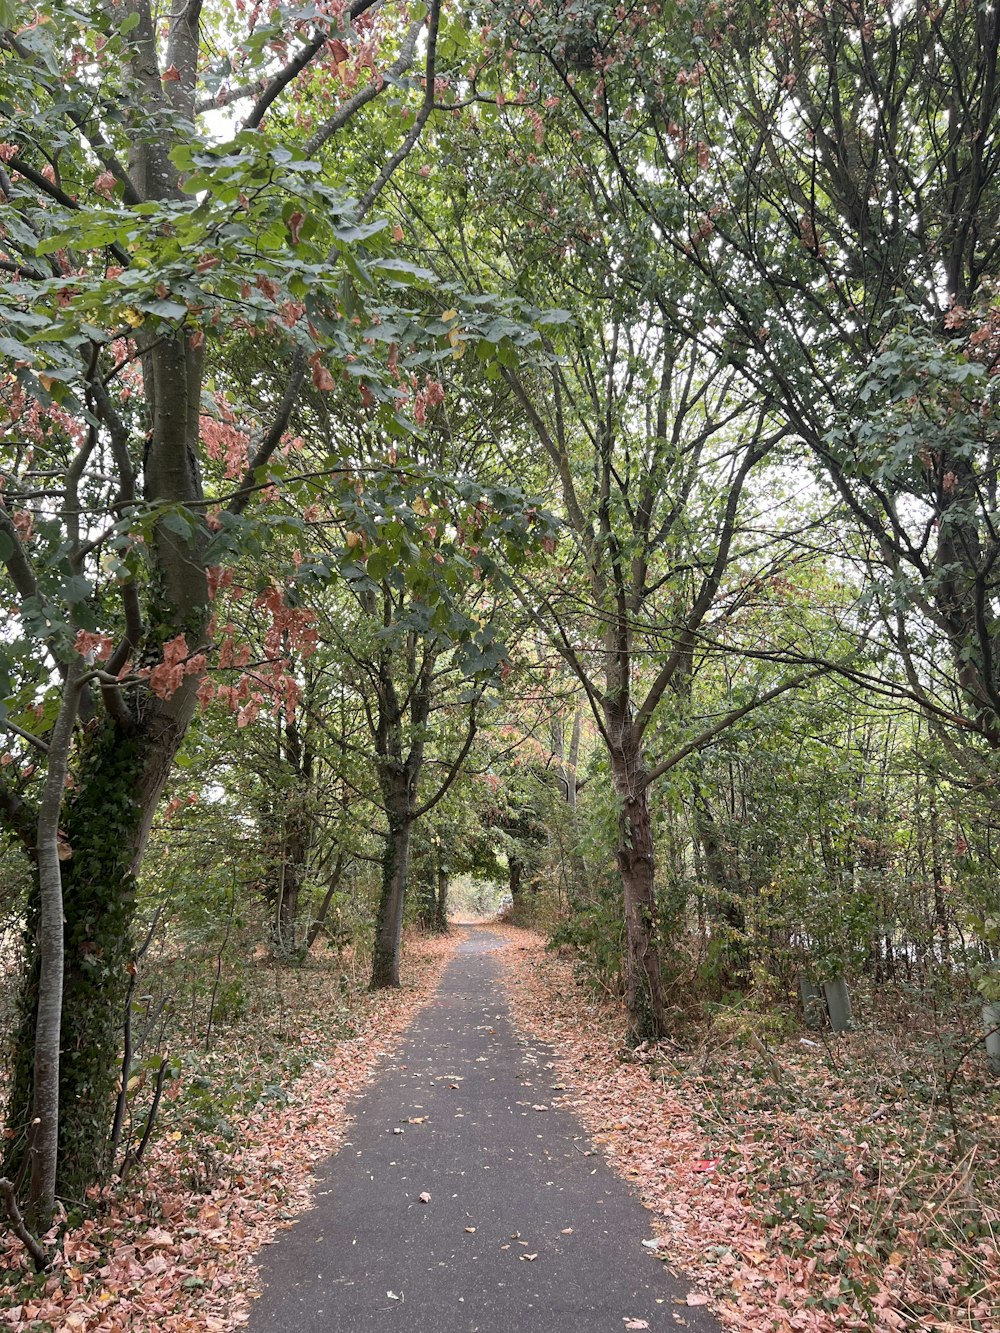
(646, 1012)
(44, 1133)
(389, 922)
(102, 821)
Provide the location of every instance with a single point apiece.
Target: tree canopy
(544, 445)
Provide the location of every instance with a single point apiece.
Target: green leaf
(177, 523)
(75, 589)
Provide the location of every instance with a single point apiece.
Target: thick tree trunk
(643, 981)
(102, 821)
(389, 922)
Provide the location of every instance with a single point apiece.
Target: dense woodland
(544, 453)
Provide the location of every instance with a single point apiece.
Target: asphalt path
(466, 1200)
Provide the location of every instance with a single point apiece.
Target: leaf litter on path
(173, 1251)
(804, 1207)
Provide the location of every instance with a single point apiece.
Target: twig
(134, 1158)
(18, 1227)
(218, 962)
(122, 1103)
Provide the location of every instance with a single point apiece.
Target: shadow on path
(524, 1230)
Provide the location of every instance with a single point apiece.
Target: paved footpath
(524, 1231)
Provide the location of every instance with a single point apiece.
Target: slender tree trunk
(287, 910)
(428, 900)
(729, 894)
(389, 922)
(291, 875)
(319, 919)
(44, 1136)
(441, 909)
(937, 875)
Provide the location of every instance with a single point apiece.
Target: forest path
(523, 1231)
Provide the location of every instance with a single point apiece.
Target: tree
(134, 229)
(648, 443)
(828, 176)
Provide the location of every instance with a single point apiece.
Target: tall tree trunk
(294, 854)
(941, 928)
(44, 1132)
(646, 1011)
(389, 922)
(103, 822)
(121, 770)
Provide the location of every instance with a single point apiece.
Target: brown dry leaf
(696, 1298)
(530, 1258)
(425, 1197)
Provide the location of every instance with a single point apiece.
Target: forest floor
(811, 1184)
(805, 1184)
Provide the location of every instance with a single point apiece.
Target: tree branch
(290, 72)
(41, 1259)
(272, 439)
(706, 737)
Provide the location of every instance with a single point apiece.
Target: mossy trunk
(102, 821)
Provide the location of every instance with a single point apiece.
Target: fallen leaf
(696, 1298)
(470, 1230)
(636, 1323)
(530, 1257)
(425, 1197)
